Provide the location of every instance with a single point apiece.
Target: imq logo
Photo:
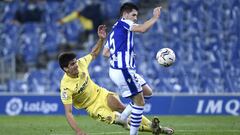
(231, 107)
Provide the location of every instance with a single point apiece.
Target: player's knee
(148, 94)
(147, 91)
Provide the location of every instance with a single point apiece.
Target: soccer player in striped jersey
(120, 49)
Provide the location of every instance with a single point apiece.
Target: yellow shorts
(99, 110)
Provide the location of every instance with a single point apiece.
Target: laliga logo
(14, 106)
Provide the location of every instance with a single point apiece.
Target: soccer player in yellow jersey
(78, 90)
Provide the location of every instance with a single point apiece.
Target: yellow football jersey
(80, 91)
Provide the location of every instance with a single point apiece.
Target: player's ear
(65, 69)
(124, 14)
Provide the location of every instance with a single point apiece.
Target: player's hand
(102, 31)
(157, 12)
(60, 22)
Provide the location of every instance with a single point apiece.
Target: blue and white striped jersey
(121, 46)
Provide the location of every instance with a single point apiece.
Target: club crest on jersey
(129, 80)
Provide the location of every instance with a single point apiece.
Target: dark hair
(127, 7)
(64, 59)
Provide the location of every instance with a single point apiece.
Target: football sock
(146, 98)
(145, 125)
(136, 119)
(127, 111)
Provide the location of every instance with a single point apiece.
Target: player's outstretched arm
(71, 120)
(102, 35)
(149, 23)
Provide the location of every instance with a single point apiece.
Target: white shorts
(128, 81)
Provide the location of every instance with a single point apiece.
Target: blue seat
(55, 79)
(111, 12)
(29, 47)
(38, 81)
(8, 45)
(30, 54)
(51, 40)
(17, 86)
(9, 11)
(33, 28)
(72, 31)
(53, 11)
(55, 75)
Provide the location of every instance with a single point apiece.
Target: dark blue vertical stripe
(115, 63)
(130, 50)
(131, 84)
(123, 59)
(133, 61)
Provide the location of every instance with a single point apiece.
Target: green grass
(57, 125)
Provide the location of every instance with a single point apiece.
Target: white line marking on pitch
(108, 133)
(95, 133)
(186, 131)
(215, 131)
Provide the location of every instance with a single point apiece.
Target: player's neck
(73, 76)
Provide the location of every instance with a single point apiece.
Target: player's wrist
(101, 39)
(155, 18)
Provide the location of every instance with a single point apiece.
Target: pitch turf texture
(57, 125)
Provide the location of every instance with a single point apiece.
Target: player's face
(132, 15)
(73, 68)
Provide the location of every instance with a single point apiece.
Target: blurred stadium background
(205, 80)
(205, 35)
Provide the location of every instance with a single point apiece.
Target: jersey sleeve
(66, 96)
(127, 24)
(86, 60)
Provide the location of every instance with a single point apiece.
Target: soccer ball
(165, 57)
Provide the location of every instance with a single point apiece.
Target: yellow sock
(145, 125)
(146, 121)
(144, 128)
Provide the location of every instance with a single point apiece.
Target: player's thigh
(100, 110)
(138, 99)
(147, 90)
(114, 103)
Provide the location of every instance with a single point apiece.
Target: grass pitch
(57, 125)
